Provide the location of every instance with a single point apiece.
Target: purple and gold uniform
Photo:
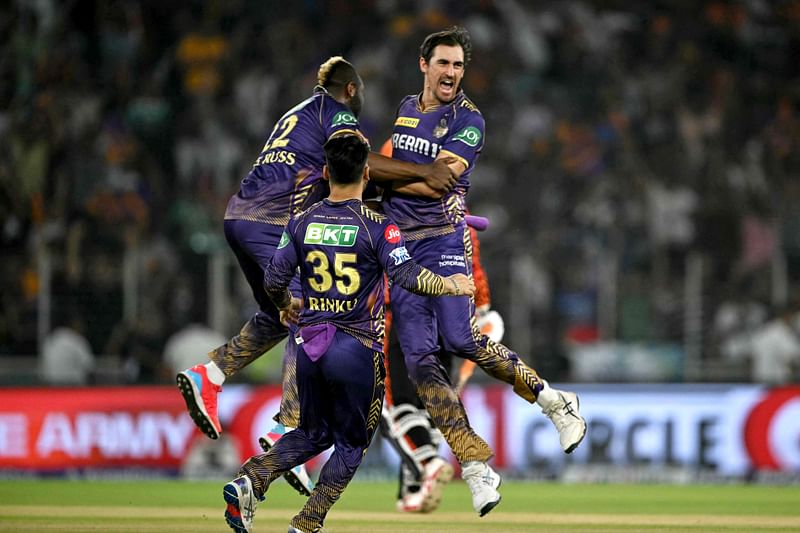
(285, 178)
(439, 239)
(342, 250)
(455, 130)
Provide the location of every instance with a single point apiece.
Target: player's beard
(356, 103)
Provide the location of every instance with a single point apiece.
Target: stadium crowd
(640, 135)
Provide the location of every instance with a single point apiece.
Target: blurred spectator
(776, 349)
(66, 356)
(736, 319)
(636, 135)
(139, 344)
(186, 346)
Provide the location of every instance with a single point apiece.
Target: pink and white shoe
(298, 476)
(435, 475)
(200, 395)
(411, 503)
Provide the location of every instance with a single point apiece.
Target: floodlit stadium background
(640, 173)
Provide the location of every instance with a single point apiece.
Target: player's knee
(463, 345)
(320, 438)
(351, 456)
(420, 369)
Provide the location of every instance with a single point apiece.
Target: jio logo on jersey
(331, 234)
(392, 234)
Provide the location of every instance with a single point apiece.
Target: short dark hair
(346, 155)
(336, 72)
(454, 36)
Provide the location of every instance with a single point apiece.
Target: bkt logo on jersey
(331, 234)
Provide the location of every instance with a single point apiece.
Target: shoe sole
(291, 478)
(231, 496)
(489, 506)
(402, 508)
(196, 409)
(575, 444)
(438, 481)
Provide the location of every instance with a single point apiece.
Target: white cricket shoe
(564, 414)
(483, 483)
(242, 503)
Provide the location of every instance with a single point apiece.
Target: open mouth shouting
(447, 89)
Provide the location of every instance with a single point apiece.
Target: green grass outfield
(184, 506)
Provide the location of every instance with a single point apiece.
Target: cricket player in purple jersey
(442, 122)
(285, 178)
(342, 249)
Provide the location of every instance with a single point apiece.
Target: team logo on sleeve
(344, 118)
(470, 136)
(331, 234)
(392, 234)
(284, 240)
(400, 255)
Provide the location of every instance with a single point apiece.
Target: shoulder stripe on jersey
(308, 210)
(345, 132)
(372, 215)
(364, 225)
(451, 154)
(321, 110)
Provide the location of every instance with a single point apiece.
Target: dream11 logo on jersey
(772, 431)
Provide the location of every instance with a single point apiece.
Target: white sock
(215, 375)
(546, 396)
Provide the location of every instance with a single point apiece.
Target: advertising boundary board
(727, 429)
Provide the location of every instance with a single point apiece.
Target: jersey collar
(459, 96)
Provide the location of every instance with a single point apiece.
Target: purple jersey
(343, 249)
(286, 177)
(455, 129)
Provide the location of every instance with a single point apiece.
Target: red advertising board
(50, 429)
(53, 429)
(728, 429)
